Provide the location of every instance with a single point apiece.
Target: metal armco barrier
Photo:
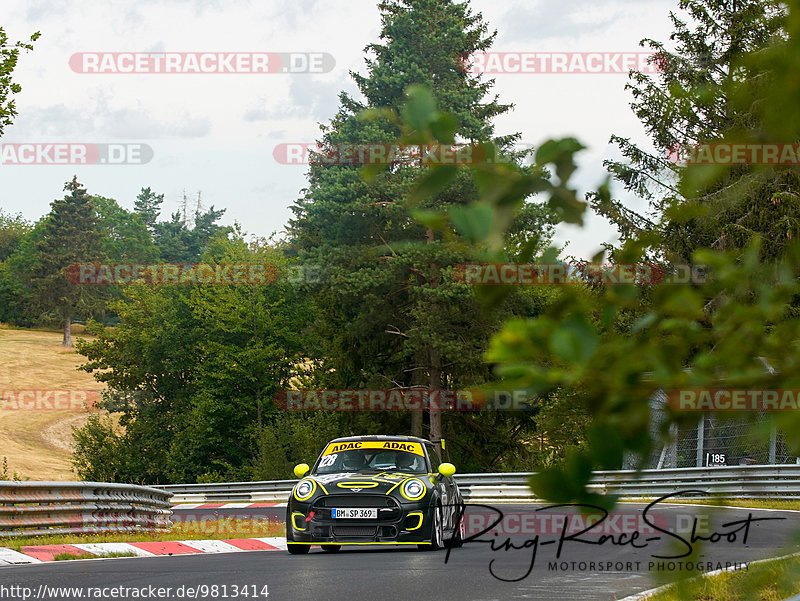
(33, 508)
(751, 481)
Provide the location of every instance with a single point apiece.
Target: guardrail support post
(773, 442)
(672, 453)
(701, 434)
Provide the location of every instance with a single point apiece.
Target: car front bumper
(397, 523)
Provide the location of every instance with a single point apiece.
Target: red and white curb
(45, 553)
(224, 505)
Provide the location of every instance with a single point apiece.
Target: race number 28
(328, 460)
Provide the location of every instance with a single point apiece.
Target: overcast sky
(216, 133)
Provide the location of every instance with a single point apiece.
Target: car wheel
(437, 531)
(331, 548)
(297, 549)
(457, 539)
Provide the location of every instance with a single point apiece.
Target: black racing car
(374, 490)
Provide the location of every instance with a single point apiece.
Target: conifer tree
(390, 315)
(692, 102)
(69, 236)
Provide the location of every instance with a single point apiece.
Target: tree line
(81, 228)
(193, 370)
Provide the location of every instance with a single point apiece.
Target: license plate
(355, 513)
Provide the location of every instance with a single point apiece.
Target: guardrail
(33, 508)
(752, 481)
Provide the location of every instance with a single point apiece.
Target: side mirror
(447, 470)
(301, 470)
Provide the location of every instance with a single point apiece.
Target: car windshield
(371, 460)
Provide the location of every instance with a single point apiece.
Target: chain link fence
(715, 440)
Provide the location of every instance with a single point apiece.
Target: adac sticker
(388, 445)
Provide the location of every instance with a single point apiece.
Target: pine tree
(70, 236)
(148, 205)
(689, 103)
(390, 314)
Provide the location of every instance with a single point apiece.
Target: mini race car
(375, 490)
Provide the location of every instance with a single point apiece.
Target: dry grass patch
(38, 443)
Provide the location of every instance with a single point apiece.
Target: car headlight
(304, 489)
(413, 489)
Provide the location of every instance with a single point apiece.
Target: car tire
(331, 548)
(457, 540)
(437, 531)
(296, 549)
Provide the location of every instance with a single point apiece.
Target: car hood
(350, 482)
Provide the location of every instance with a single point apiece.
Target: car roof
(381, 437)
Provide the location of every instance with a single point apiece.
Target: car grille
(344, 531)
(388, 509)
(356, 501)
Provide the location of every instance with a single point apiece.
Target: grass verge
(69, 556)
(780, 504)
(188, 530)
(773, 580)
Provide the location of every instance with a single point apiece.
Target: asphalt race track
(404, 573)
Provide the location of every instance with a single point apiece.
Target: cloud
(210, 127)
(309, 97)
(61, 121)
(296, 14)
(545, 19)
(37, 10)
